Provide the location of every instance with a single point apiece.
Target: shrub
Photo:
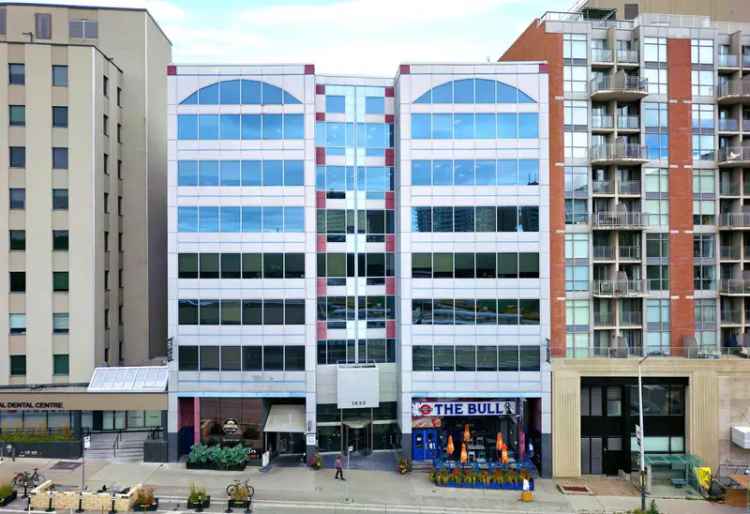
(6, 490)
(315, 461)
(36, 437)
(145, 496)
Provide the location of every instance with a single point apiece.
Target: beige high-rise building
(82, 191)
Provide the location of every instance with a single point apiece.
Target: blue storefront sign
(464, 408)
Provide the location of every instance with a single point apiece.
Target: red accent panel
(404, 69)
(320, 155)
(322, 286)
(320, 116)
(321, 246)
(309, 69)
(322, 330)
(389, 157)
(390, 118)
(196, 420)
(390, 92)
(389, 200)
(390, 328)
(171, 69)
(390, 285)
(185, 412)
(320, 199)
(320, 89)
(390, 243)
(544, 68)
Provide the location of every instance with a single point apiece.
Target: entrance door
(358, 438)
(425, 444)
(591, 455)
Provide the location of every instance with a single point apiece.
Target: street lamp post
(642, 441)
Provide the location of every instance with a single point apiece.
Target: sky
(362, 37)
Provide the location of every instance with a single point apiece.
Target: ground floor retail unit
(690, 407)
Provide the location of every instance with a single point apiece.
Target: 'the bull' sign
(472, 408)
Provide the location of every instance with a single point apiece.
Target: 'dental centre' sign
(478, 408)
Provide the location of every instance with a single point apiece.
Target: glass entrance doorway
(358, 436)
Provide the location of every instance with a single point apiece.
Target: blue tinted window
(374, 152)
(506, 126)
(208, 219)
(657, 146)
(485, 171)
(251, 126)
(251, 219)
(463, 126)
(335, 134)
(485, 91)
(442, 173)
(251, 92)
(273, 173)
(294, 219)
(485, 126)
(421, 219)
(294, 126)
(208, 126)
(273, 219)
(208, 174)
(443, 94)
(377, 135)
(463, 91)
(251, 173)
(421, 173)
(187, 126)
(528, 171)
(294, 173)
(374, 105)
(209, 95)
(230, 92)
(376, 179)
(335, 103)
(191, 100)
(506, 93)
(320, 178)
(289, 99)
(231, 173)
(507, 173)
(271, 94)
(187, 219)
(463, 173)
(425, 98)
(231, 220)
(442, 126)
(528, 125)
(230, 126)
(187, 173)
(320, 133)
(420, 126)
(272, 126)
(524, 98)
(336, 178)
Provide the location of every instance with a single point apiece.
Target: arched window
(240, 91)
(474, 91)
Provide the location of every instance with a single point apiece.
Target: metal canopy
(668, 459)
(145, 379)
(286, 418)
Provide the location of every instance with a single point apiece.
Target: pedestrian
(339, 467)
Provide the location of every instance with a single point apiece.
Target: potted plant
(7, 494)
(315, 462)
(145, 499)
(404, 466)
(198, 499)
(240, 497)
(455, 478)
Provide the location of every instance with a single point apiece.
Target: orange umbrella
(467, 434)
(499, 442)
(464, 454)
(450, 447)
(504, 457)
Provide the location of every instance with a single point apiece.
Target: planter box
(199, 505)
(239, 504)
(213, 467)
(479, 485)
(47, 450)
(5, 501)
(150, 508)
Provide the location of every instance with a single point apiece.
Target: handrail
(619, 219)
(613, 151)
(734, 153)
(619, 83)
(733, 87)
(735, 219)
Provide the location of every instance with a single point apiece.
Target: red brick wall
(681, 312)
(537, 45)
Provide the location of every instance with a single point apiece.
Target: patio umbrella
(464, 454)
(499, 443)
(504, 456)
(467, 434)
(450, 446)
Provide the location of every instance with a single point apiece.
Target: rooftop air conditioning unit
(741, 436)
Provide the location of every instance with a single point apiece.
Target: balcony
(619, 153)
(734, 156)
(619, 87)
(746, 125)
(602, 187)
(628, 123)
(628, 57)
(618, 288)
(734, 220)
(735, 286)
(629, 187)
(731, 316)
(619, 220)
(604, 319)
(630, 252)
(729, 61)
(604, 253)
(746, 59)
(733, 92)
(631, 318)
(601, 55)
(729, 252)
(728, 125)
(729, 188)
(602, 122)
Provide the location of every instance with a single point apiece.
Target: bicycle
(236, 489)
(28, 480)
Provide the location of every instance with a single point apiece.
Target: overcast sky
(366, 37)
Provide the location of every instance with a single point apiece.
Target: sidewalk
(364, 491)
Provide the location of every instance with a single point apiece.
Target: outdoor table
(738, 496)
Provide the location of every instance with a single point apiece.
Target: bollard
(248, 507)
(25, 489)
(229, 506)
(49, 508)
(113, 511)
(80, 503)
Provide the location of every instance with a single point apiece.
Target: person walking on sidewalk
(339, 467)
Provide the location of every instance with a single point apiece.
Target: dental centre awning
(286, 418)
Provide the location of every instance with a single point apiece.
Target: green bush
(6, 490)
(35, 437)
(222, 458)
